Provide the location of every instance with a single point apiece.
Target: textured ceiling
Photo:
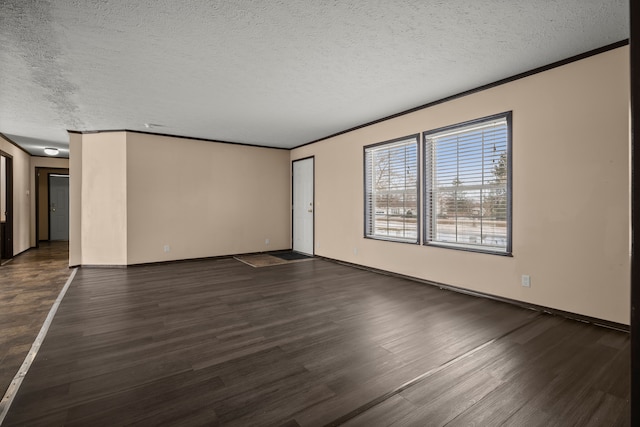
(274, 73)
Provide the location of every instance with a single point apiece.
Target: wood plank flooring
(317, 343)
(29, 284)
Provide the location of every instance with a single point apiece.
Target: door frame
(63, 171)
(313, 220)
(634, 47)
(9, 195)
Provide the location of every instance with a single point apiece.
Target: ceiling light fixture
(153, 125)
(51, 151)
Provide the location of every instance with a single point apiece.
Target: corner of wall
(102, 207)
(75, 199)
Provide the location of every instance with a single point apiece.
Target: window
(391, 190)
(468, 185)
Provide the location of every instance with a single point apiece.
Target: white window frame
(461, 231)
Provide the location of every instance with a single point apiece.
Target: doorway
(43, 205)
(303, 205)
(58, 207)
(6, 207)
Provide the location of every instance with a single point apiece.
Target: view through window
(391, 190)
(467, 185)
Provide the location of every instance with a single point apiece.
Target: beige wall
(103, 214)
(43, 206)
(21, 196)
(204, 199)
(570, 191)
(75, 199)
(139, 193)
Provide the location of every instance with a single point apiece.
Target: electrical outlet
(526, 280)
(167, 248)
(266, 242)
(355, 251)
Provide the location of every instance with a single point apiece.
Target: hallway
(29, 284)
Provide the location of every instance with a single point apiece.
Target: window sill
(389, 239)
(468, 249)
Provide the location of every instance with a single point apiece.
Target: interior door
(303, 205)
(6, 208)
(58, 207)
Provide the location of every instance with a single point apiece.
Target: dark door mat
(290, 255)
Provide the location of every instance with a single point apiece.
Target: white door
(59, 207)
(303, 206)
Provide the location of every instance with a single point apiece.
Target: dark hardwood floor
(308, 344)
(29, 284)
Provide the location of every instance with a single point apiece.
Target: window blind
(391, 190)
(467, 188)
